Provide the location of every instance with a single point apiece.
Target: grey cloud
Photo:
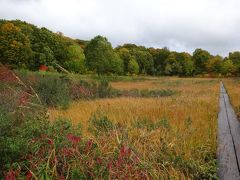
(181, 25)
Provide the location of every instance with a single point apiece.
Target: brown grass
(197, 100)
(233, 88)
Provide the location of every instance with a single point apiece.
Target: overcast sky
(181, 25)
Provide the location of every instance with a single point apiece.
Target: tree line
(23, 45)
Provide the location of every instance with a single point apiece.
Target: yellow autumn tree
(14, 46)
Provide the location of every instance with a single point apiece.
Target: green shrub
(144, 123)
(100, 124)
(115, 78)
(53, 91)
(15, 134)
(104, 89)
(146, 93)
(57, 90)
(26, 140)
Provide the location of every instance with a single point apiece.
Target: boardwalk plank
(227, 126)
(234, 125)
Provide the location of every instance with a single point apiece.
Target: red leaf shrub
(43, 68)
(73, 139)
(29, 175)
(10, 175)
(7, 76)
(24, 98)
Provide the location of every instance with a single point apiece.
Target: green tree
(76, 59)
(14, 46)
(101, 58)
(200, 58)
(186, 63)
(82, 43)
(214, 64)
(142, 55)
(116, 64)
(228, 68)
(133, 67)
(57, 43)
(144, 60)
(172, 65)
(159, 58)
(45, 44)
(44, 56)
(188, 67)
(235, 58)
(126, 56)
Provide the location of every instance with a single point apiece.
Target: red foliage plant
(29, 175)
(79, 91)
(6, 75)
(73, 139)
(126, 165)
(11, 175)
(24, 98)
(85, 154)
(43, 68)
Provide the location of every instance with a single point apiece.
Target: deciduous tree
(235, 58)
(200, 58)
(214, 64)
(133, 67)
(76, 59)
(14, 46)
(101, 58)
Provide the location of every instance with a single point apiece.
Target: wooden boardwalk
(228, 153)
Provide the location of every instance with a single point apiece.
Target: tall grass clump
(146, 93)
(233, 88)
(156, 157)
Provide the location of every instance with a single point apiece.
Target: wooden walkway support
(228, 153)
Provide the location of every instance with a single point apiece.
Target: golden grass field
(183, 147)
(233, 89)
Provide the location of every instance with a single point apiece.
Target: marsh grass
(174, 136)
(143, 136)
(233, 88)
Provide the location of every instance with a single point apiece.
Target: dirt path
(228, 139)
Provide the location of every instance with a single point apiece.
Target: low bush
(144, 123)
(58, 90)
(53, 91)
(104, 90)
(100, 125)
(146, 93)
(117, 78)
(37, 148)
(82, 90)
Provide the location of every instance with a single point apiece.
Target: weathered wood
(235, 127)
(228, 139)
